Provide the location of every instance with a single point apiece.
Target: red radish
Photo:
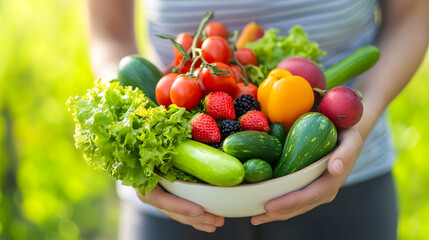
(343, 106)
(305, 68)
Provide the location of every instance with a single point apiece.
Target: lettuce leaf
(122, 133)
(272, 49)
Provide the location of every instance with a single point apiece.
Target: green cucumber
(279, 131)
(310, 138)
(253, 144)
(207, 163)
(350, 66)
(138, 72)
(257, 170)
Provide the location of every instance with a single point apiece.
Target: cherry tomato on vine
(185, 92)
(242, 89)
(237, 72)
(185, 40)
(246, 56)
(216, 29)
(162, 89)
(216, 49)
(213, 82)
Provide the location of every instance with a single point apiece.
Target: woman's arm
(111, 25)
(111, 35)
(403, 41)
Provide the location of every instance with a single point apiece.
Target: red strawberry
(205, 129)
(219, 105)
(254, 120)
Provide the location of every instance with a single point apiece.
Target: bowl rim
(243, 184)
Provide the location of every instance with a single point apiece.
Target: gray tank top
(339, 26)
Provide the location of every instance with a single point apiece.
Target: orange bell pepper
(285, 97)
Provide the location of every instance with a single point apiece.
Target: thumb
(344, 157)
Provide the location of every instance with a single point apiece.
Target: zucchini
(257, 170)
(310, 138)
(350, 66)
(138, 72)
(249, 144)
(207, 163)
(279, 131)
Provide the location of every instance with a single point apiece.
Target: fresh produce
(216, 29)
(214, 82)
(343, 106)
(254, 120)
(352, 65)
(251, 32)
(246, 57)
(253, 144)
(163, 87)
(217, 145)
(245, 103)
(242, 89)
(285, 97)
(219, 105)
(257, 170)
(228, 127)
(208, 164)
(216, 108)
(311, 137)
(216, 49)
(238, 72)
(185, 40)
(205, 129)
(121, 132)
(305, 68)
(137, 71)
(272, 49)
(279, 131)
(185, 92)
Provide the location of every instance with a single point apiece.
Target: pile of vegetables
(237, 107)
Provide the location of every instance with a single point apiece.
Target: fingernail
(338, 166)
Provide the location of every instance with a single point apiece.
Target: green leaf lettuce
(121, 133)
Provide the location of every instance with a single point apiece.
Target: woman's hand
(322, 190)
(182, 210)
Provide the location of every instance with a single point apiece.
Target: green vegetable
(271, 49)
(137, 71)
(257, 170)
(120, 133)
(208, 164)
(352, 65)
(279, 131)
(310, 138)
(253, 144)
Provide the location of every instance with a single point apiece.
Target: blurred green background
(46, 189)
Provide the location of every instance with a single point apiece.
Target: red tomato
(184, 39)
(162, 89)
(216, 49)
(249, 89)
(214, 82)
(246, 56)
(185, 92)
(237, 72)
(216, 29)
(187, 66)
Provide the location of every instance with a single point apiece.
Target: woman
(355, 197)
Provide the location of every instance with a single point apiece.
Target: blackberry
(217, 145)
(228, 127)
(245, 103)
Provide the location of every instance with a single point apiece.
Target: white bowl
(245, 199)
